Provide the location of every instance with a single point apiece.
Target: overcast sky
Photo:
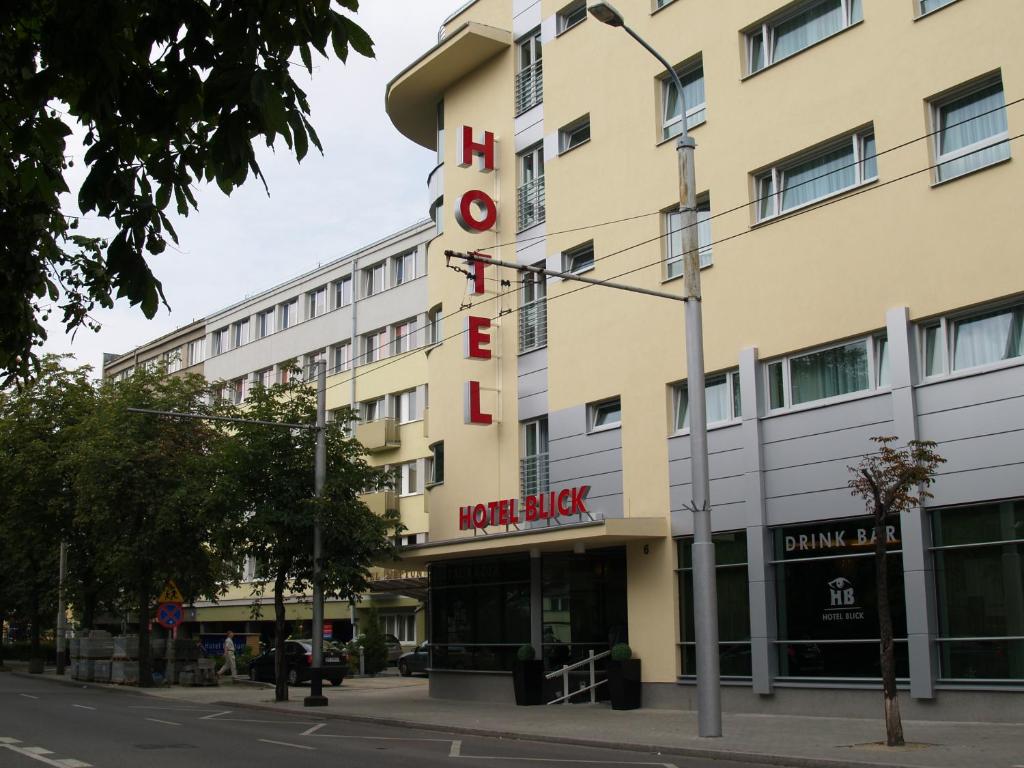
(370, 182)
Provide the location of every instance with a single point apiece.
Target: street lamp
(705, 610)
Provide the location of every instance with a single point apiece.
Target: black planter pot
(624, 684)
(528, 681)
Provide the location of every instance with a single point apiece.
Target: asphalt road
(45, 723)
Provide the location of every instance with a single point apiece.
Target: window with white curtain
(403, 337)
(196, 351)
(372, 410)
(692, 77)
(403, 268)
(830, 170)
(835, 371)
(927, 6)
(969, 341)
(240, 333)
(264, 323)
(406, 406)
(373, 279)
(342, 357)
(316, 302)
(220, 341)
(373, 346)
(401, 625)
(342, 292)
(674, 238)
(971, 130)
(408, 478)
(434, 332)
(798, 28)
(721, 397)
(289, 313)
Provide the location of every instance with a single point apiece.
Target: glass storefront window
(733, 604)
(979, 577)
(828, 601)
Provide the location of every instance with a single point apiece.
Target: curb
(109, 686)
(759, 758)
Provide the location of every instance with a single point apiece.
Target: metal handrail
(529, 90)
(531, 208)
(564, 674)
(533, 325)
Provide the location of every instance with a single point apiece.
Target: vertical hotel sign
(476, 211)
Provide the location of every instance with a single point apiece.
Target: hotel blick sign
(542, 506)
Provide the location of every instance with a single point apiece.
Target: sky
(369, 182)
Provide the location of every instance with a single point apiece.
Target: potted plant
(624, 678)
(528, 677)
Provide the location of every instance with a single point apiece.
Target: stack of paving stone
(74, 650)
(96, 645)
(124, 669)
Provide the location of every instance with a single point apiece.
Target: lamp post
(705, 609)
(316, 696)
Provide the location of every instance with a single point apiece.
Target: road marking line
(38, 750)
(215, 714)
(311, 731)
(558, 760)
(286, 744)
(29, 696)
(38, 753)
(456, 750)
(165, 722)
(376, 738)
(9, 740)
(83, 706)
(70, 762)
(271, 722)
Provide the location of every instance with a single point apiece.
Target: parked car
(394, 647)
(298, 657)
(415, 661)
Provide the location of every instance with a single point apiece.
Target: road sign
(171, 593)
(169, 615)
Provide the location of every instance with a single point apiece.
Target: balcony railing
(533, 475)
(531, 203)
(379, 435)
(533, 325)
(381, 502)
(529, 87)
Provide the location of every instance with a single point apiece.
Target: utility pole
(316, 696)
(61, 612)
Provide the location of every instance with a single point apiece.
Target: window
(531, 187)
(434, 333)
(374, 344)
(574, 134)
(692, 78)
(402, 626)
(605, 415)
(316, 302)
(733, 604)
(721, 396)
(342, 357)
(373, 279)
(836, 168)
(579, 259)
(533, 314)
(882, 361)
(971, 131)
(927, 6)
(435, 470)
(833, 372)
(342, 292)
(533, 467)
(289, 313)
(827, 599)
(403, 337)
(574, 13)
(406, 406)
(673, 222)
(979, 570)
(173, 360)
(264, 324)
(239, 390)
(793, 31)
(264, 378)
(220, 341)
(196, 351)
(440, 132)
(285, 371)
(310, 361)
(530, 74)
(403, 268)
(240, 333)
(408, 479)
(372, 410)
(969, 341)
(658, 4)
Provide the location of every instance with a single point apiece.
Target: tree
(268, 474)
(37, 495)
(168, 94)
(375, 649)
(892, 481)
(145, 491)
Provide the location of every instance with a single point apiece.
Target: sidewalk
(768, 739)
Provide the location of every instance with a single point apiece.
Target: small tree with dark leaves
(892, 481)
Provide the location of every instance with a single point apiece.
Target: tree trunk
(36, 663)
(145, 657)
(893, 723)
(88, 611)
(280, 669)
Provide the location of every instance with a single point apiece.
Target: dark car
(298, 658)
(415, 661)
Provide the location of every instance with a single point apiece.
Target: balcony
(379, 435)
(530, 198)
(533, 326)
(381, 502)
(533, 475)
(529, 87)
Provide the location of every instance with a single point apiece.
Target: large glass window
(530, 74)
(828, 600)
(401, 625)
(797, 29)
(674, 239)
(692, 78)
(722, 398)
(971, 131)
(533, 471)
(479, 612)
(969, 341)
(733, 605)
(833, 372)
(979, 577)
(530, 194)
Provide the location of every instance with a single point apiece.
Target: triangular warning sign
(171, 593)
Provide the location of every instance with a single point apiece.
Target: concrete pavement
(768, 739)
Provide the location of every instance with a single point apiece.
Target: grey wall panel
(532, 407)
(982, 451)
(863, 411)
(531, 362)
(586, 464)
(805, 507)
(980, 419)
(970, 390)
(811, 477)
(724, 517)
(577, 457)
(720, 439)
(722, 464)
(568, 422)
(997, 482)
(848, 444)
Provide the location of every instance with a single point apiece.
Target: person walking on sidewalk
(229, 656)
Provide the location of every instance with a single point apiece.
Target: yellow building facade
(860, 248)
